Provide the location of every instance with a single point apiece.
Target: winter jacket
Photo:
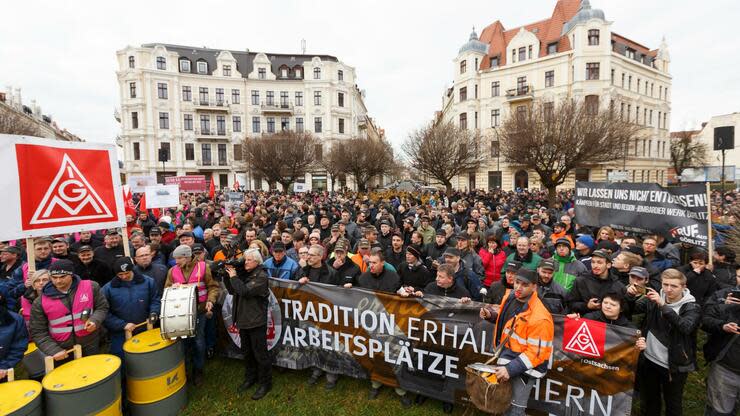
(600, 317)
(493, 263)
(588, 287)
(156, 271)
(323, 274)
(702, 286)
(470, 281)
(16, 286)
(433, 252)
(725, 274)
(13, 339)
(415, 275)
(96, 270)
(39, 323)
(496, 292)
(674, 330)
(569, 269)
(130, 301)
(716, 315)
(530, 261)
(553, 296)
(348, 272)
(660, 262)
(473, 262)
(386, 281)
(286, 269)
(251, 294)
(395, 259)
(453, 291)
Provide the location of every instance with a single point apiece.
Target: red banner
(189, 183)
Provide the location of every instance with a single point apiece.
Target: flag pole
(710, 239)
(31, 255)
(124, 235)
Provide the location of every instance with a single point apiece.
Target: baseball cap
(340, 246)
(603, 254)
(278, 246)
(113, 231)
(513, 265)
(547, 264)
(363, 244)
(639, 272)
(198, 248)
(414, 251)
(452, 251)
(155, 230)
(562, 240)
(84, 248)
(11, 249)
(186, 234)
(530, 276)
(61, 268)
(440, 232)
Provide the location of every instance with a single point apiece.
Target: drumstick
(10, 374)
(130, 333)
(76, 350)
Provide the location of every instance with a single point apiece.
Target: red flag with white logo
(584, 337)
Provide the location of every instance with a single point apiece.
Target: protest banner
(188, 183)
(53, 187)
(424, 344)
(162, 196)
(680, 212)
(235, 197)
(299, 187)
(137, 183)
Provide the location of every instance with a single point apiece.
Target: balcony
(209, 164)
(521, 93)
(276, 107)
(212, 134)
(211, 105)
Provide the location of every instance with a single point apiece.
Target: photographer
(251, 292)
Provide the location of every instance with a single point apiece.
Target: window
(202, 67)
(166, 148)
(205, 153)
(340, 99)
(494, 179)
(463, 93)
(476, 92)
(187, 122)
(638, 84)
(164, 120)
(219, 96)
(284, 123)
(549, 78)
(317, 73)
(495, 117)
(652, 89)
(205, 124)
(262, 73)
(493, 62)
(318, 152)
(284, 99)
(621, 111)
(495, 148)
(659, 116)
(629, 112)
(552, 48)
(464, 121)
(463, 66)
(592, 70)
(548, 110)
(529, 52)
(284, 72)
(187, 93)
(184, 65)
(521, 85)
(341, 126)
(255, 125)
(271, 124)
(161, 63)
(222, 160)
(644, 116)
(630, 53)
(235, 96)
(131, 62)
(644, 147)
(299, 124)
(592, 104)
(612, 77)
(522, 54)
(134, 120)
(221, 125)
(513, 56)
(189, 151)
(297, 72)
(237, 152)
(270, 98)
(255, 97)
(660, 92)
(317, 124)
(162, 90)
(495, 89)
(665, 120)
(237, 124)
(665, 93)
(637, 114)
(203, 95)
(137, 151)
(227, 70)
(593, 37)
(299, 98)
(132, 89)
(629, 83)
(317, 98)
(623, 75)
(340, 75)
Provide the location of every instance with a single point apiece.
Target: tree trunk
(286, 186)
(551, 195)
(448, 187)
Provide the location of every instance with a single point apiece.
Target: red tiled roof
(548, 31)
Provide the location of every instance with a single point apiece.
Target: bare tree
(333, 163)
(281, 157)
(365, 159)
(12, 122)
(687, 152)
(553, 140)
(443, 151)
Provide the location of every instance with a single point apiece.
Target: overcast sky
(63, 53)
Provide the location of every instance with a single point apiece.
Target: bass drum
(178, 312)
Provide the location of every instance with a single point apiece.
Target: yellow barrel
(155, 374)
(33, 360)
(20, 398)
(86, 386)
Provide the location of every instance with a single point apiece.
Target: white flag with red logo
(54, 187)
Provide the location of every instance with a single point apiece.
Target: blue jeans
(195, 347)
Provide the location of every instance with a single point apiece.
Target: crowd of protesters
(472, 246)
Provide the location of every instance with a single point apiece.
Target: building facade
(197, 105)
(11, 104)
(572, 54)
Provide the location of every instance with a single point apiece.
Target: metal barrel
(155, 374)
(33, 360)
(21, 398)
(86, 386)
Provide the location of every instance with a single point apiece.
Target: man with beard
(90, 268)
(347, 271)
(394, 254)
(111, 248)
(588, 290)
(552, 294)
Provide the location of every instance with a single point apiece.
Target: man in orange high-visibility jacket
(528, 325)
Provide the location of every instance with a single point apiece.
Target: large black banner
(423, 345)
(680, 212)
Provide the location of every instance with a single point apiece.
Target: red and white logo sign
(61, 187)
(584, 337)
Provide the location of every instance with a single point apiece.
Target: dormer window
(522, 54)
(262, 73)
(317, 73)
(202, 67)
(227, 70)
(529, 52)
(593, 37)
(552, 48)
(284, 72)
(131, 62)
(463, 66)
(513, 56)
(161, 63)
(630, 53)
(184, 65)
(298, 72)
